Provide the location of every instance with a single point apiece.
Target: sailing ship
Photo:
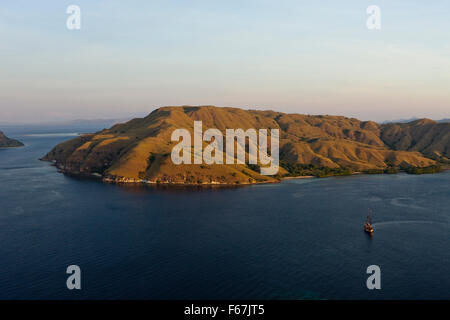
(368, 225)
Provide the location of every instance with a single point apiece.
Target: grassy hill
(429, 137)
(6, 142)
(139, 150)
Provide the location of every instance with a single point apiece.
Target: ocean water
(300, 239)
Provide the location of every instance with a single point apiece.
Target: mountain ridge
(139, 150)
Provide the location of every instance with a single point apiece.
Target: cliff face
(139, 150)
(6, 142)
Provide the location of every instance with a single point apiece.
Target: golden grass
(109, 141)
(140, 148)
(84, 146)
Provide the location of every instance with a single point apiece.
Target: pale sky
(313, 57)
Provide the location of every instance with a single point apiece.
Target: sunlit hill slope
(139, 150)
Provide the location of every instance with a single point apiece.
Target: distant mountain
(89, 123)
(139, 150)
(429, 137)
(6, 142)
(399, 120)
(78, 126)
(410, 120)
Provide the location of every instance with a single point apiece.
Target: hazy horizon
(141, 115)
(290, 56)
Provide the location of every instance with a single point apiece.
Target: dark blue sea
(300, 239)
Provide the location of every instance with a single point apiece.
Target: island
(139, 151)
(6, 142)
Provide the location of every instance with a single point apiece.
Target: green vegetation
(423, 170)
(374, 171)
(390, 169)
(297, 169)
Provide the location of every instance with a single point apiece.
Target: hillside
(6, 142)
(429, 137)
(139, 150)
